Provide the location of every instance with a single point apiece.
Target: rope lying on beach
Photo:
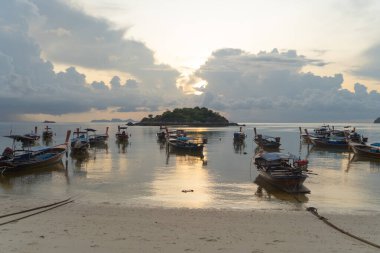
(51, 206)
(33, 209)
(314, 211)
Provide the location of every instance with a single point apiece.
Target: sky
(252, 61)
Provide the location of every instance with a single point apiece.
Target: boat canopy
(20, 137)
(273, 156)
(376, 144)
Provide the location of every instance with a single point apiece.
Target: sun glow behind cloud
(223, 55)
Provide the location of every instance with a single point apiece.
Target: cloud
(267, 86)
(270, 86)
(371, 67)
(92, 42)
(64, 34)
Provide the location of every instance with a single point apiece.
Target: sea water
(143, 172)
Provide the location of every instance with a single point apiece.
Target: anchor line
(314, 211)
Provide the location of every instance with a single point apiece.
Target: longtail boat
(13, 160)
(367, 150)
(121, 134)
(284, 171)
(266, 142)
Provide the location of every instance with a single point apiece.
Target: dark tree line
(187, 116)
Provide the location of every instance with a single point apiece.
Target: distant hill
(112, 120)
(377, 120)
(187, 116)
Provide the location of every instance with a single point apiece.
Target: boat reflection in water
(239, 147)
(122, 146)
(100, 146)
(80, 159)
(31, 176)
(355, 160)
(182, 181)
(186, 155)
(268, 191)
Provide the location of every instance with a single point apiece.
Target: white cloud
(64, 34)
(271, 87)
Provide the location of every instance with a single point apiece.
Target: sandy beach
(106, 227)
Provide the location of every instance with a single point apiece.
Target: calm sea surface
(144, 173)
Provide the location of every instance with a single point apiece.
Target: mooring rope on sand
(49, 207)
(33, 209)
(314, 211)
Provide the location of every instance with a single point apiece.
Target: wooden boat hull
(122, 137)
(239, 137)
(271, 190)
(323, 143)
(364, 150)
(186, 147)
(268, 145)
(97, 140)
(287, 183)
(44, 159)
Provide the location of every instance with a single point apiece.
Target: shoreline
(86, 227)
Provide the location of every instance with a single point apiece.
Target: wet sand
(106, 227)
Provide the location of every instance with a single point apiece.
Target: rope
(32, 209)
(24, 217)
(314, 211)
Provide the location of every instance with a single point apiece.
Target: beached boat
(95, 139)
(13, 160)
(121, 134)
(266, 142)
(367, 150)
(185, 144)
(284, 171)
(79, 143)
(47, 134)
(239, 136)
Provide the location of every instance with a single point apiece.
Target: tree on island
(377, 120)
(194, 115)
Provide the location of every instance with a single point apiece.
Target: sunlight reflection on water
(143, 172)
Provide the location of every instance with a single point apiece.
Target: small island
(187, 116)
(377, 120)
